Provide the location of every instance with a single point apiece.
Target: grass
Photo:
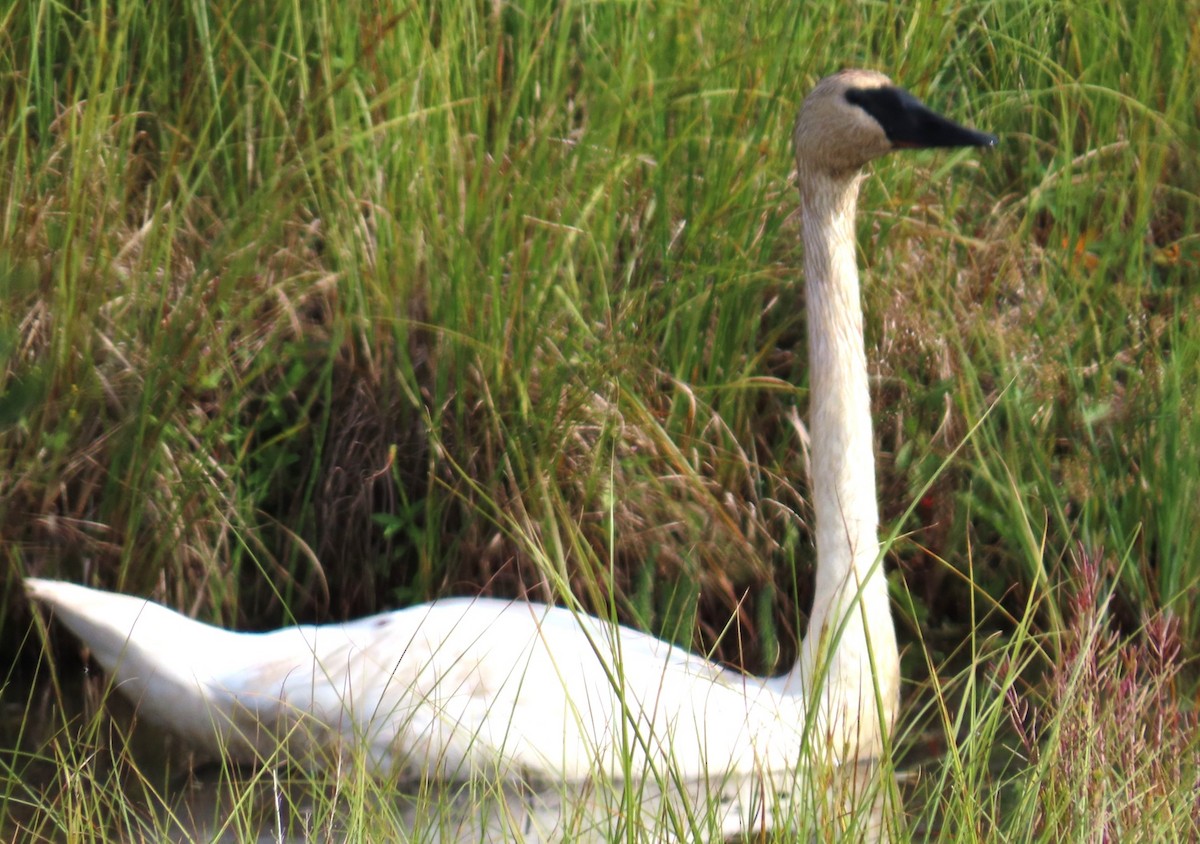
(312, 314)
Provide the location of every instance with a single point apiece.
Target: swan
(483, 687)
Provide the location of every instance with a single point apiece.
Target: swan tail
(165, 663)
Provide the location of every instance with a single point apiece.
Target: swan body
(465, 688)
(457, 689)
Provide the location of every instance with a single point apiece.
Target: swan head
(856, 116)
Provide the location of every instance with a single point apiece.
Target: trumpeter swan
(464, 688)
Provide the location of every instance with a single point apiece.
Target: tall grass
(316, 311)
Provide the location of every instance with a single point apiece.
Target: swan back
(457, 689)
(466, 688)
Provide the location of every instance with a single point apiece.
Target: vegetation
(314, 312)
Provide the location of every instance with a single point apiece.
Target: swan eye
(887, 106)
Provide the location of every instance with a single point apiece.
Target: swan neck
(843, 450)
(850, 649)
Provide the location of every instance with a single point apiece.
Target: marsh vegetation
(306, 314)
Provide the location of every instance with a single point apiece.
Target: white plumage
(455, 689)
(467, 688)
